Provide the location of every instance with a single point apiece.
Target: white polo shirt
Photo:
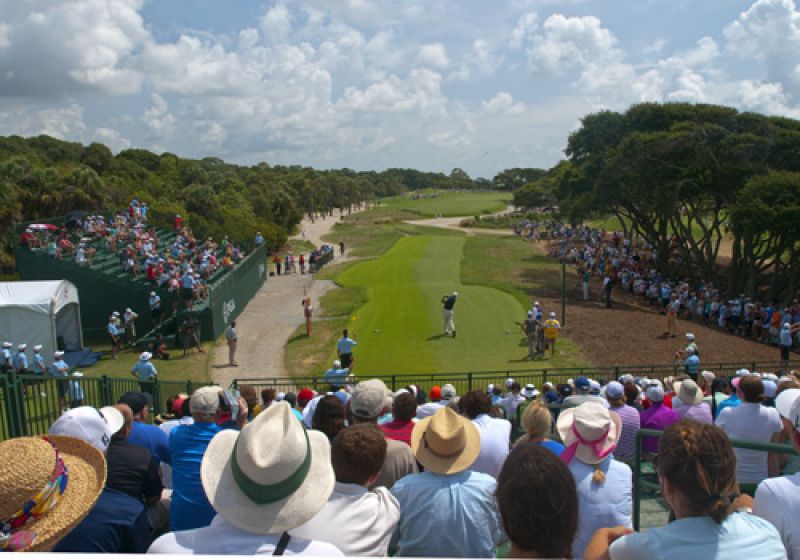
(755, 422)
(778, 501)
(495, 442)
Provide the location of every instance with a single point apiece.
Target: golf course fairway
(401, 328)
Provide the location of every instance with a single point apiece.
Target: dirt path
(270, 318)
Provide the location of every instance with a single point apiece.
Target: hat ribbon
(263, 494)
(437, 453)
(595, 445)
(11, 538)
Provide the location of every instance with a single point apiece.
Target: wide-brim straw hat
(26, 466)
(445, 442)
(688, 392)
(593, 421)
(272, 476)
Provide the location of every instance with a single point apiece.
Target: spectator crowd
(363, 471)
(630, 267)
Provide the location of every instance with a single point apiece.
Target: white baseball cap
(7, 345)
(553, 314)
(89, 424)
(690, 336)
(58, 353)
(455, 293)
(37, 347)
(22, 347)
(788, 406)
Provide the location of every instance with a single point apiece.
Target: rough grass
(449, 203)
(195, 366)
(312, 355)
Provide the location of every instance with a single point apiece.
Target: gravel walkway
(270, 318)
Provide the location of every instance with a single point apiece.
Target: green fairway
(400, 329)
(448, 203)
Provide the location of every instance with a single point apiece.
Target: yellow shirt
(551, 327)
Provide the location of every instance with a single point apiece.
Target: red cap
(436, 393)
(304, 396)
(177, 405)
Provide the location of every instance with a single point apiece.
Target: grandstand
(104, 286)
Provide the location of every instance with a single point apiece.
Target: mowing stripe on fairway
(400, 329)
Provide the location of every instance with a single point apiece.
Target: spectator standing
(113, 336)
(6, 357)
(20, 359)
(631, 422)
(534, 489)
(154, 302)
(129, 319)
(367, 404)
(145, 373)
(253, 513)
(308, 311)
(495, 434)
(359, 522)
(60, 371)
(778, 499)
(671, 309)
(404, 409)
(750, 420)
(590, 433)
(656, 417)
(231, 339)
(448, 510)
(512, 400)
(698, 481)
(345, 350)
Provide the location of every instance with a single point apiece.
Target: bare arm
(774, 459)
(597, 549)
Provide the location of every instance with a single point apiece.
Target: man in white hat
(154, 302)
(448, 510)
(448, 303)
(336, 375)
(146, 373)
(38, 366)
(778, 499)
(59, 369)
(129, 320)
(262, 482)
(20, 359)
(6, 358)
(113, 335)
(118, 522)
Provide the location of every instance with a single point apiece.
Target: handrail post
(616, 373)
(394, 383)
(637, 474)
(105, 391)
(469, 381)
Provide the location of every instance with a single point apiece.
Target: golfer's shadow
(438, 336)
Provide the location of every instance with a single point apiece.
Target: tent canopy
(43, 297)
(46, 313)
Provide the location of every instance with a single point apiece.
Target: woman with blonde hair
(537, 423)
(590, 433)
(697, 469)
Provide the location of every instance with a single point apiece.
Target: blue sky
(371, 84)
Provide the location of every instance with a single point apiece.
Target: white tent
(41, 313)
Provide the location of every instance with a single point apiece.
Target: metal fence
(31, 403)
(642, 470)
(467, 381)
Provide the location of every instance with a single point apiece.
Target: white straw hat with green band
(272, 476)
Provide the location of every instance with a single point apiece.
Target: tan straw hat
(29, 471)
(688, 392)
(590, 432)
(445, 443)
(272, 476)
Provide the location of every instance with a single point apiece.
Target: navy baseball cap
(582, 383)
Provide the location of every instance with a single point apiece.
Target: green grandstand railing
(640, 466)
(467, 381)
(26, 412)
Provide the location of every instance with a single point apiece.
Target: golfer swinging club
(448, 303)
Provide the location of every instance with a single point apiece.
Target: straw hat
(590, 432)
(688, 392)
(272, 476)
(26, 468)
(445, 443)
